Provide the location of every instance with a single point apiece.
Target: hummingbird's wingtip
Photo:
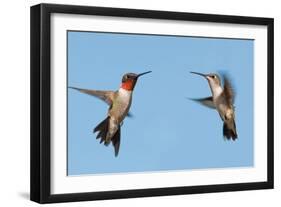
(73, 88)
(193, 99)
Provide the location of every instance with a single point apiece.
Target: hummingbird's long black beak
(201, 74)
(143, 73)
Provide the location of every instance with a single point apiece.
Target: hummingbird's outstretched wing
(106, 96)
(228, 91)
(208, 101)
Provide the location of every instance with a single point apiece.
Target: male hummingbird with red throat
(222, 100)
(109, 130)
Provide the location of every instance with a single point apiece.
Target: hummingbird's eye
(213, 76)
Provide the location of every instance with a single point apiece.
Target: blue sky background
(168, 131)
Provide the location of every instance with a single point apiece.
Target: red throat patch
(128, 85)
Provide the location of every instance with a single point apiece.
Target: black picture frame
(40, 184)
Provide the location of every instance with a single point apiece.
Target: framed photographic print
(132, 103)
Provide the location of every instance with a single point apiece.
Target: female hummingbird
(119, 104)
(222, 100)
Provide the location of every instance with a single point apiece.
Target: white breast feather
(217, 91)
(125, 94)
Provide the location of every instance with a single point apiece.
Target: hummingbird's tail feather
(229, 130)
(116, 141)
(102, 129)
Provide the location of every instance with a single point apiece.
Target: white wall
(14, 104)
